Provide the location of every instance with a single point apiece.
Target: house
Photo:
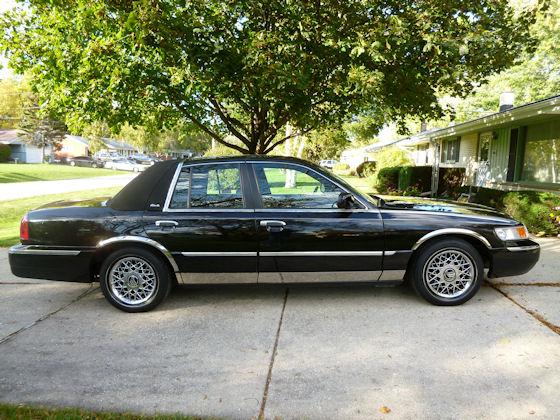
(80, 146)
(517, 148)
(21, 151)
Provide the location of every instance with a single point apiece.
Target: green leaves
(247, 67)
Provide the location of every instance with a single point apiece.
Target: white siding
(467, 153)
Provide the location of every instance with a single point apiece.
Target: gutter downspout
(435, 167)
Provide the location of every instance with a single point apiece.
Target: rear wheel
(72, 163)
(134, 280)
(448, 272)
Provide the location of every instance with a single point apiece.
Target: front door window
(285, 186)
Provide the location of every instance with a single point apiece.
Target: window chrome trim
(146, 241)
(523, 248)
(219, 254)
(172, 187)
(451, 231)
(32, 250)
(175, 178)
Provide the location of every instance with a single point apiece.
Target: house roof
(544, 107)
(119, 145)
(79, 139)
(9, 137)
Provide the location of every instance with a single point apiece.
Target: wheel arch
(479, 242)
(107, 246)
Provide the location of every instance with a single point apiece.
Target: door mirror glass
(345, 201)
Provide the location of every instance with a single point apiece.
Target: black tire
(430, 258)
(161, 277)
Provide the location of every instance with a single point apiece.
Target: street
(15, 190)
(296, 352)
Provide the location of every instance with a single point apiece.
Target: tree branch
(229, 121)
(279, 142)
(215, 136)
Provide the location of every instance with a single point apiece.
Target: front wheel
(448, 272)
(134, 280)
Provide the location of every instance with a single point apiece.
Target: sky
(5, 72)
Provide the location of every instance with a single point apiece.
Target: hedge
(388, 180)
(5, 152)
(418, 178)
(539, 211)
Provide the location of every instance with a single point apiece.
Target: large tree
(249, 67)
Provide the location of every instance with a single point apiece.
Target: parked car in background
(85, 161)
(105, 156)
(126, 165)
(144, 159)
(328, 163)
(254, 219)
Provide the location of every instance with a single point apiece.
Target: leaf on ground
(384, 409)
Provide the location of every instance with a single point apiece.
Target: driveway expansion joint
(554, 328)
(272, 358)
(91, 289)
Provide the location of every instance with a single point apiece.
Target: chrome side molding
(451, 231)
(34, 250)
(523, 248)
(146, 241)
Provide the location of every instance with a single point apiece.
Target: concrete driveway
(297, 352)
(15, 190)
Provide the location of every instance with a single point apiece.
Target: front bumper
(514, 259)
(62, 264)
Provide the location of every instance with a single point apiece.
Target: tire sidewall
(163, 279)
(428, 252)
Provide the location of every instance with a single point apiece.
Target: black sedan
(87, 161)
(255, 219)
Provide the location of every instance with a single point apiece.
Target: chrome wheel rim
(132, 280)
(449, 273)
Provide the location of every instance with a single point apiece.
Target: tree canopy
(247, 68)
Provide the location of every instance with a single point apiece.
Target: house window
(450, 150)
(422, 154)
(542, 161)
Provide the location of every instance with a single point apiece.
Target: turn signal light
(522, 232)
(24, 229)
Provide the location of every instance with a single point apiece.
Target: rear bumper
(51, 263)
(514, 259)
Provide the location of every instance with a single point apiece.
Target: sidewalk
(13, 191)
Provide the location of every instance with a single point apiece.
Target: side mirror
(345, 201)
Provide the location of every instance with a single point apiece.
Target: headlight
(512, 233)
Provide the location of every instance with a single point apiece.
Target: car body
(328, 163)
(253, 219)
(104, 156)
(126, 165)
(87, 161)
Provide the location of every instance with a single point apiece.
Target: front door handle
(273, 225)
(167, 223)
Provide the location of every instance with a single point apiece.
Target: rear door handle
(166, 223)
(273, 225)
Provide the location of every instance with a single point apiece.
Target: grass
(21, 412)
(12, 211)
(361, 184)
(45, 172)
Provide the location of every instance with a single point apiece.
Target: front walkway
(347, 352)
(15, 190)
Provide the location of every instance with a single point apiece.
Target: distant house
(515, 149)
(80, 146)
(21, 151)
(355, 157)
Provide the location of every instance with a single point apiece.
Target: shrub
(388, 180)
(415, 178)
(5, 152)
(450, 180)
(366, 169)
(535, 209)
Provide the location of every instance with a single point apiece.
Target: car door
(208, 225)
(304, 237)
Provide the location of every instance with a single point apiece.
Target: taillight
(24, 229)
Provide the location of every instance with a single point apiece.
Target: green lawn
(10, 172)
(362, 184)
(21, 412)
(12, 211)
